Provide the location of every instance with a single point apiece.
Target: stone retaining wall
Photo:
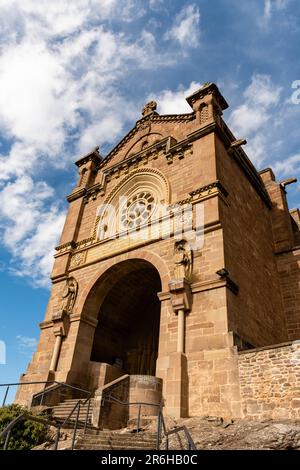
(270, 382)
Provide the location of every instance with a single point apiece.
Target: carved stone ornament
(144, 126)
(69, 295)
(182, 260)
(149, 108)
(77, 259)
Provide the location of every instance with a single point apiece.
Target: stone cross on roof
(149, 108)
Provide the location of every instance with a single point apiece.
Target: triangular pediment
(147, 133)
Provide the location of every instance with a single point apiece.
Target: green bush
(25, 434)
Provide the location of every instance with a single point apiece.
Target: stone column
(181, 331)
(58, 332)
(176, 376)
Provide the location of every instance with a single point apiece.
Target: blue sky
(74, 75)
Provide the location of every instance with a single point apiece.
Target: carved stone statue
(69, 295)
(102, 225)
(149, 108)
(182, 259)
(101, 231)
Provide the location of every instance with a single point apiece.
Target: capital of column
(58, 331)
(181, 296)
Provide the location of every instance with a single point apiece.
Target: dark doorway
(128, 323)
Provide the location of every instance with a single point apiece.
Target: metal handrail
(160, 423)
(177, 430)
(7, 431)
(43, 392)
(25, 416)
(160, 419)
(139, 404)
(77, 407)
(79, 403)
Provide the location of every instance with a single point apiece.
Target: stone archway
(127, 333)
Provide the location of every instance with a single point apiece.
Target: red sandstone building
(199, 326)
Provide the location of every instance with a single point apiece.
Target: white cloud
(249, 120)
(289, 166)
(246, 119)
(60, 68)
(26, 345)
(156, 4)
(30, 227)
(262, 92)
(270, 6)
(174, 102)
(186, 27)
(31, 78)
(44, 19)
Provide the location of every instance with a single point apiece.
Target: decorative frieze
(180, 151)
(92, 193)
(208, 188)
(78, 259)
(211, 189)
(66, 247)
(179, 212)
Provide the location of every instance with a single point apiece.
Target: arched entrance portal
(128, 321)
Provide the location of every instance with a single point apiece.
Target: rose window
(137, 210)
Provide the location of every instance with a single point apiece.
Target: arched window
(139, 198)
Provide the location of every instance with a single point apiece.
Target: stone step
(70, 425)
(72, 418)
(119, 441)
(73, 401)
(73, 415)
(66, 407)
(63, 406)
(112, 447)
(135, 437)
(71, 422)
(114, 435)
(67, 412)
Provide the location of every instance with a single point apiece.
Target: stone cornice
(66, 247)
(209, 190)
(77, 317)
(215, 284)
(74, 317)
(167, 146)
(178, 149)
(243, 161)
(203, 286)
(46, 324)
(216, 184)
(76, 194)
(137, 157)
(164, 296)
(290, 250)
(93, 156)
(208, 89)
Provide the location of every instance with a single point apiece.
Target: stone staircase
(95, 439)
(115, 440)
(61, 411)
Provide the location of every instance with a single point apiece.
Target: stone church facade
(207, 302)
